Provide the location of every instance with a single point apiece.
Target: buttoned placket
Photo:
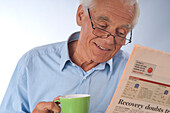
(85, 82)
(85, 79)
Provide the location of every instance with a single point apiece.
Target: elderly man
(90, 62)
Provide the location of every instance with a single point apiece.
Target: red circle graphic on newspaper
(150, 70)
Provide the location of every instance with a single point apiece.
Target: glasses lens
(117, 39)
(120, 40)
(100, 33)
(123, 40)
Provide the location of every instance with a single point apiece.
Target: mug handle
(57, 102)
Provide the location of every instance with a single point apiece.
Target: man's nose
(110, 39)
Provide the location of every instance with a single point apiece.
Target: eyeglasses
(99, 32)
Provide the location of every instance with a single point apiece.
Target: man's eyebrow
(105, 18)
(127, 26)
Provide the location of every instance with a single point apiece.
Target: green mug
(76, 103)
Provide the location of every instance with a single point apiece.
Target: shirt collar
(65, 53)
(110, 62)
(103, 65)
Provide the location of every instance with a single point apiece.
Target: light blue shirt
(46, 72)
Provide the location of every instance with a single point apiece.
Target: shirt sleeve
(16, 98)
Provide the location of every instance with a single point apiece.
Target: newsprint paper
(145, 83)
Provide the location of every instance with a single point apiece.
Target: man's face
(112, 16)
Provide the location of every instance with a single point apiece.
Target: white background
(25, 24)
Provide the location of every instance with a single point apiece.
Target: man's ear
(80, 15)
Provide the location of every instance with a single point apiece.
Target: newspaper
(145, 83)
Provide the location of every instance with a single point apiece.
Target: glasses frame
(109, 34)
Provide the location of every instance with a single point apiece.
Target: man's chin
(100, 60)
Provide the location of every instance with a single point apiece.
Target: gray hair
(88, 4)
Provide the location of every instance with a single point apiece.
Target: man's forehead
(113, 7)
(107, 19)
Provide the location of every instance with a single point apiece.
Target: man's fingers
(57, 98)
(46, 107)
(52, 107)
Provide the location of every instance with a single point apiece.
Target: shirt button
(84, 78)
(73, 64)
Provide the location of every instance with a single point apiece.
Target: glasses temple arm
(90, 19)
(130, 40)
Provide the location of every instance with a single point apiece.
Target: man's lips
(102, 48)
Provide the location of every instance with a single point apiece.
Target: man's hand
(47, 107)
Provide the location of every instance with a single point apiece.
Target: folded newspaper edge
(145, 84)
